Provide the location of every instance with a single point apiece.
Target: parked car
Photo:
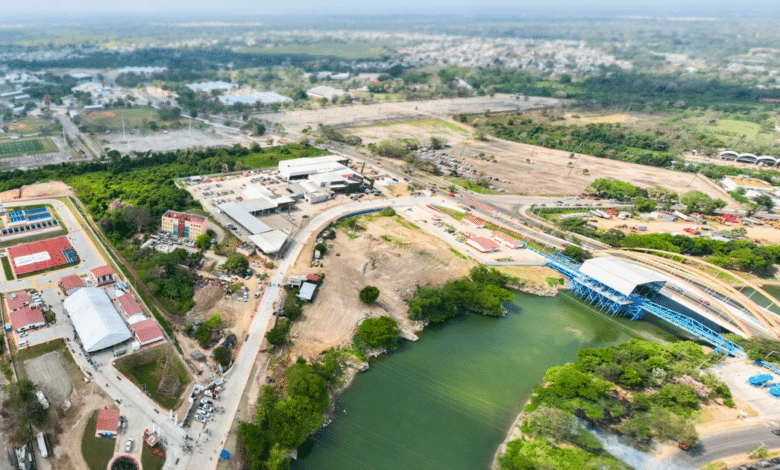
(129, 445)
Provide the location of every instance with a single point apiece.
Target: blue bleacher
(36, 211)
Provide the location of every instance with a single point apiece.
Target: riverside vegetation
(643, 391)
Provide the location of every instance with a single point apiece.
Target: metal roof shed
(307, 291)
(757, 380)
(620, 275)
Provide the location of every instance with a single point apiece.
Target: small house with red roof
(482, 244)
(147, 331)
(26, 318)
(70, 283)
(129, 305)
(102, 276)
(107, 423)
(17, 300)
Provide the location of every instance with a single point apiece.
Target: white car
(129, 445)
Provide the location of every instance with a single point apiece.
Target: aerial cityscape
(389, 236)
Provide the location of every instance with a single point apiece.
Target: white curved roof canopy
(620, 275)
(96, 320)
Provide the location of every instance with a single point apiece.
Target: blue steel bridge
(625, 289)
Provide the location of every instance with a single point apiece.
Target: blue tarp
(224, 455)
(760, 379)
(775, 391)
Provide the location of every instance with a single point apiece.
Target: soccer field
(26, 147)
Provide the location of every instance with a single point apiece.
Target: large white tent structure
(96, 320)
(621, 275)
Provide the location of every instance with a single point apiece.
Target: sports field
(134, 118)
(13, 148)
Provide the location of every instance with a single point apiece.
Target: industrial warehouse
(97, 322)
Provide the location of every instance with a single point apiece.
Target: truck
(42, 400)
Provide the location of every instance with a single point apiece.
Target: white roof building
(97, 322)
(269, 242)
(620, 275)
(245, 219)
(302, 167)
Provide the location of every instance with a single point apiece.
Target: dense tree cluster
(381, 332)
(482, 292)
(283, 420)
(165, 275)
(665, 388)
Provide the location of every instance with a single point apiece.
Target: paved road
(724, 444)
(74, 133)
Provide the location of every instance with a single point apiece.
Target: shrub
(379, 332)
(387, 212)
(369, 294)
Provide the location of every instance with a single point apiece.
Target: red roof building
(17, 300)
(102, 275)
(107, 423)
(313, 277)
(472, 221)
(26, 318)
(42, 255)
(129, 305)
(70, 283)
(147, 331)
(511, 242)
(482, 244)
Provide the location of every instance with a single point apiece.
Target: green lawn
(9, 273)
(97, 451)
(146, 368)
(149, 460)
(14, 148)
(468, 184)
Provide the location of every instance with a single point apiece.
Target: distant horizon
(230, 10)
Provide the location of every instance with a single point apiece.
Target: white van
(23, 343)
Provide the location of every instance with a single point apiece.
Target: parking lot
(51, 377)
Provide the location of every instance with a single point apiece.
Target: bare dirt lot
(175, 140)
(361, 115)
(411, 258)
(51, 188)
(67, 448)
(48, 373)
(533, 170)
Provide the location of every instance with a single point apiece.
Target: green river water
(447, 401)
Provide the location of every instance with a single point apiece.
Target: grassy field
(97, 451)
(58, 345)
(134, 118)
(468, 184)
(146, 368)
(14, 148)
(31, 126)
(9, 273)
(150, 460)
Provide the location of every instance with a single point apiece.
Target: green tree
(203, 241)
(644, 205)
(577, 253)
(236, 264)
(697, 201)
(552, 424)
(765, 201)
(206, 330)
(369, 294)
(277, 335)
(379, 332)
(223, 356)
(387, 212)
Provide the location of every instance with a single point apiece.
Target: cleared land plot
(15, 148)
(63, 355)
(49, 374)
(97, 451)
(548, 172)
(394, 256)
(160, 370)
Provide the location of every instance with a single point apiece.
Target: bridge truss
(634, 306)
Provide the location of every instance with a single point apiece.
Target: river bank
(449, 400)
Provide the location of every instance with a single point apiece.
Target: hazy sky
(308, 7)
